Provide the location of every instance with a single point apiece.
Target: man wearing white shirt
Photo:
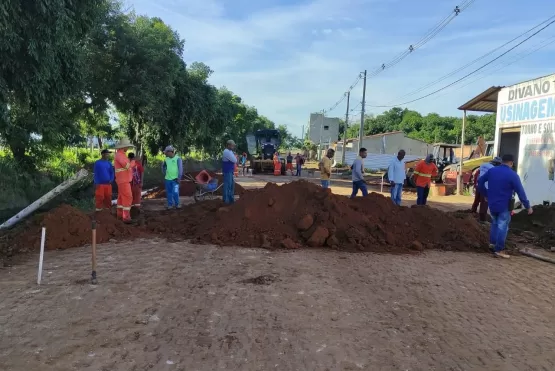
(396, 174)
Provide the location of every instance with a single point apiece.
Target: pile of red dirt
(303, 214)
(66, 227)
(538, 228)
(188, 188)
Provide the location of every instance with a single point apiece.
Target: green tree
(41, 68)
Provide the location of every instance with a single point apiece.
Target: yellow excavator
(482, 153)
(448, 165)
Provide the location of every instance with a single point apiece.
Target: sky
(289, 58)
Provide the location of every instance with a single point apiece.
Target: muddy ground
(175, 306)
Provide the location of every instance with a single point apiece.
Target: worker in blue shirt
(228, 165)
(502, 182)
(103, 177)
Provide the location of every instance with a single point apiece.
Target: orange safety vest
(122, 166)
(424, 172)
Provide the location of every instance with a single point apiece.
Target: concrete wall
(329, 128)
(393, 143)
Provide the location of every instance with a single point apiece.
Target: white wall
(530, 106)
(329, 128)
(392, 144)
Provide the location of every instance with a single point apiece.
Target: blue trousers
(396, 192)
(299, 168)
(229, 188)
(499, 229)
(359, 184)
(325, 183)
(422, 195)
(172, 192)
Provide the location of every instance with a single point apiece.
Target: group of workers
(299, 162)
(424, 171)
(127, 172)
(495, 183)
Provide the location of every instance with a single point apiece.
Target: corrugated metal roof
(373, 161)
(483, 102)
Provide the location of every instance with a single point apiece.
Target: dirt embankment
(294, 215)
(538, 228)
(66, 227)
(302, 214)
(187, 188)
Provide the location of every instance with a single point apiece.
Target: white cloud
(288, 61)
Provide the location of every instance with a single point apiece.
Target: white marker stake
(42, 240)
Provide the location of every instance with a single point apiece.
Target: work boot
(178, 207)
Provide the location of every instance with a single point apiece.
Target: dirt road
(174, 306)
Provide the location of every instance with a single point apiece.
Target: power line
(473, 72)
(425, 39)
(519, 57)
(351, 87)
(414, 92)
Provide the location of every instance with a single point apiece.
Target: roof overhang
(484, 102)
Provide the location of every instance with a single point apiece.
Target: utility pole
(459, 175)
(345, 129)
(361, 133)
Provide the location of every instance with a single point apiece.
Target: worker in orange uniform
(277, 164)
(137, 182)
(124, 177)
(423, 173)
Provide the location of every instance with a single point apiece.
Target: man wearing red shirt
(137, 182)
(423, 173)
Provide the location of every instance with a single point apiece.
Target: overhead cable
(424, 40)
(351, 87)
(454, 72)
(474, 71)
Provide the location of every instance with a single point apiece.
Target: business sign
(530, 106)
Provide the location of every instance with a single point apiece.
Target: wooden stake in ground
(41, 258)
(93, 256)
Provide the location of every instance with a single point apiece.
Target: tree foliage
(66, 64)
(431, 128)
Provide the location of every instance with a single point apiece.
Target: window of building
(326, 127)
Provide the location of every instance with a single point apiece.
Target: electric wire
(472, 72)
(500, 66)
(454, 72)
(424, 40)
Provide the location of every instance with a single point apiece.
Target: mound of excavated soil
(188, 188)
(303, 214)
(66, 227)
(538, 227)
(289, 216)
